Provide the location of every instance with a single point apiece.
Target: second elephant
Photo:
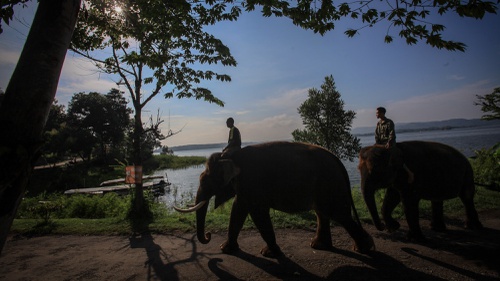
(441, 173)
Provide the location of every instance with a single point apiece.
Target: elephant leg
(239, 214)
(391, 200)
(410, 206)
(437, 222)
(471, 217)
(323, 238)
(262, 220)
(363, 242)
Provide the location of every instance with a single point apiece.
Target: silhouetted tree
(327, 123)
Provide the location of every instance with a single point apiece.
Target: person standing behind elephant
(234, 140)
(385, 135)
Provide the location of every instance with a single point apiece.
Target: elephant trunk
(369, 197)
(201, 213)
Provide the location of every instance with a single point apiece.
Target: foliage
(486, 167)
(175, 162)
(77, 206)
(165, 150)
(166, 38)
(490, 103)
(98, 122)
(55, 146)
(409, 19)
(326, 123)
(167, 221)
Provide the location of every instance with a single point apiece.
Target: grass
(167, 221)
(160, 162)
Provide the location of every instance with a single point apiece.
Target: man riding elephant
(385, 135)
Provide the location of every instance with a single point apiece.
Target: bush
(486, 167)
(176, 162)
(109, 205)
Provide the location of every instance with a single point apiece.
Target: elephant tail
(356, 217)
(358, 221)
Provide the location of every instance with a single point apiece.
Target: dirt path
(457, 254)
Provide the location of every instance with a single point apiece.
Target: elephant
(440, 172)
(285, 176)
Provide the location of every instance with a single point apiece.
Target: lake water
(467, 140)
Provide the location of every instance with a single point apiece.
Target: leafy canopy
(326, 122)
(155, 42)
(409, 18)
(490, 103)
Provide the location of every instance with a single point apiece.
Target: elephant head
(215, 180)
(378, 170)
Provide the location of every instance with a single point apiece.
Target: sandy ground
(457, 254)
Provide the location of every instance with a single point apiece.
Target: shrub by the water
(486, 166)
(77, 206)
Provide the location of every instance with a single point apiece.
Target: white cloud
(194, 130)
(289, 99)
(80, 75)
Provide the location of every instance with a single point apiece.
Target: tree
(102, 120)
(25, 106)
(326, 122)
(154, 46)
(490, 103)
(54, 138)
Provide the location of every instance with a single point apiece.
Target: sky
(278, 63)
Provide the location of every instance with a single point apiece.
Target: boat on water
(120, 186)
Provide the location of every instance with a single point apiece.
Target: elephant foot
(271, 252)
(365, 246)
(474, 225)
(392, 226)
(229, 248)
(321, 244)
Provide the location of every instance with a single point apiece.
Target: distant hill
(429, 126)
(203, 146)
(198, 146)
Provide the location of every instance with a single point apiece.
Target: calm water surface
(467, 140)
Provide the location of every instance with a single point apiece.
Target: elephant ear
(230, 170)
(378, 158)
(364, 159)
(226, 192)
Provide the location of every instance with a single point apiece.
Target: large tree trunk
(28, 97)
(139, 207)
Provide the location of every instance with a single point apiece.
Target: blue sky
(278, 62)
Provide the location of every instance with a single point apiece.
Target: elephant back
(437, 167)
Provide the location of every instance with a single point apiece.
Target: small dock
(119, 186)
